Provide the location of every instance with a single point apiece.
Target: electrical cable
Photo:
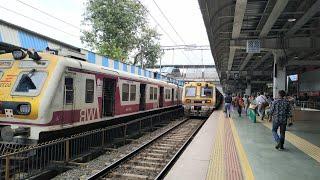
(48, 25)
(43, 12)
(166, 18)
(155, 20)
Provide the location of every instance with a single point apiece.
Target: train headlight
(188, 101)
(24, 109)
(18, 54)
(208, 101)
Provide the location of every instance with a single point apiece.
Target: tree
(118, 28)
(148, 48)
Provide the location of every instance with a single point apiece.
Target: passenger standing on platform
(262, 103)
(240, 104)
(246, 103)
(227, 104)
(280, 111)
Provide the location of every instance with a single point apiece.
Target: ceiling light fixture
(292, 19)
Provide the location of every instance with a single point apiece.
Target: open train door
(142, 104)
(69, 100)
(172, 97)
(161, 97)
(108, 101)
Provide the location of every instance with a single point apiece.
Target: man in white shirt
(261, 100)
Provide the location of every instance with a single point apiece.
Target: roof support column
(279, 73)
(248, 88)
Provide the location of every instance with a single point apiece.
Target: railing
(308, 104)
(30, 161)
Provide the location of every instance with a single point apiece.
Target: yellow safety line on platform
(216, 168)
(302, 144)
(245, 165)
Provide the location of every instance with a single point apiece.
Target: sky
(184, 15)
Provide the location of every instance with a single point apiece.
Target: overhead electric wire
(48, 25)
(155, 20)
(169, 22)
(43, 12)
(172, 28)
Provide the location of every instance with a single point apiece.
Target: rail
(112, 168)
(34, 160)
(308, 104)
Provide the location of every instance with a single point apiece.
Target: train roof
(76, 63)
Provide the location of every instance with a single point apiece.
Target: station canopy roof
(289, 26)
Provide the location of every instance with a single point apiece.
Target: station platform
(236, 148)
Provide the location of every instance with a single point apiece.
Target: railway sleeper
(141, 168)
(151, 159)
(158, 150)
(162, 147)
(150, 154)
(127, 176)
(148, 163)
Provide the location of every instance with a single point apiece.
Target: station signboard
(253, 46)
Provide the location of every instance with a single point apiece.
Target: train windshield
(1, 73)
(29, 83)
(206, 91)
(190, 91)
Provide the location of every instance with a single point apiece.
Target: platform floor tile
(267, 162)
(194, 162)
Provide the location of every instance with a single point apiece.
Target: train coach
(200, 98)
(42, 93)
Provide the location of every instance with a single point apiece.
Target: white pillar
(279, 73)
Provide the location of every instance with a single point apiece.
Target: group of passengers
(278, 110)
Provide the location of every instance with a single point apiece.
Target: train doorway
(172, 97)
(161, 97)
(142, 104)
(108, 92)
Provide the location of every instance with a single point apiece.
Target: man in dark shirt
(227, 104)
(280, 111)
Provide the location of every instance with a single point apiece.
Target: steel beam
(265, 57)
(275, 13)
(305, 18)
(240, 9)
(186, 66)
(304, 63)
(294, 43)
(246, 60)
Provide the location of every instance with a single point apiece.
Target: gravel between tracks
(86, 170)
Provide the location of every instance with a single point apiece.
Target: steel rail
(172, 161)
(128, 156)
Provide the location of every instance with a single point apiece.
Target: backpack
(228, 99)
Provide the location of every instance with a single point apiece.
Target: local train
(41, 93)
(200, 98)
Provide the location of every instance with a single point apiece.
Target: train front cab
(199, 99)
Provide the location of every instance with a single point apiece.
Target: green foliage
(118, 28)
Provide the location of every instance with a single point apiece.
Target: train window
(151, 93)
(190, 91)
(125, 92)
(133, 92)
(155, 93)
(1, 73)
(68, 84)
(89, 90)
(167, 94)
(206, 91)
(29, 83)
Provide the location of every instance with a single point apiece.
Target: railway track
(46, 160)
(153, 159)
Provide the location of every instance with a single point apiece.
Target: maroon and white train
(57, 93)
